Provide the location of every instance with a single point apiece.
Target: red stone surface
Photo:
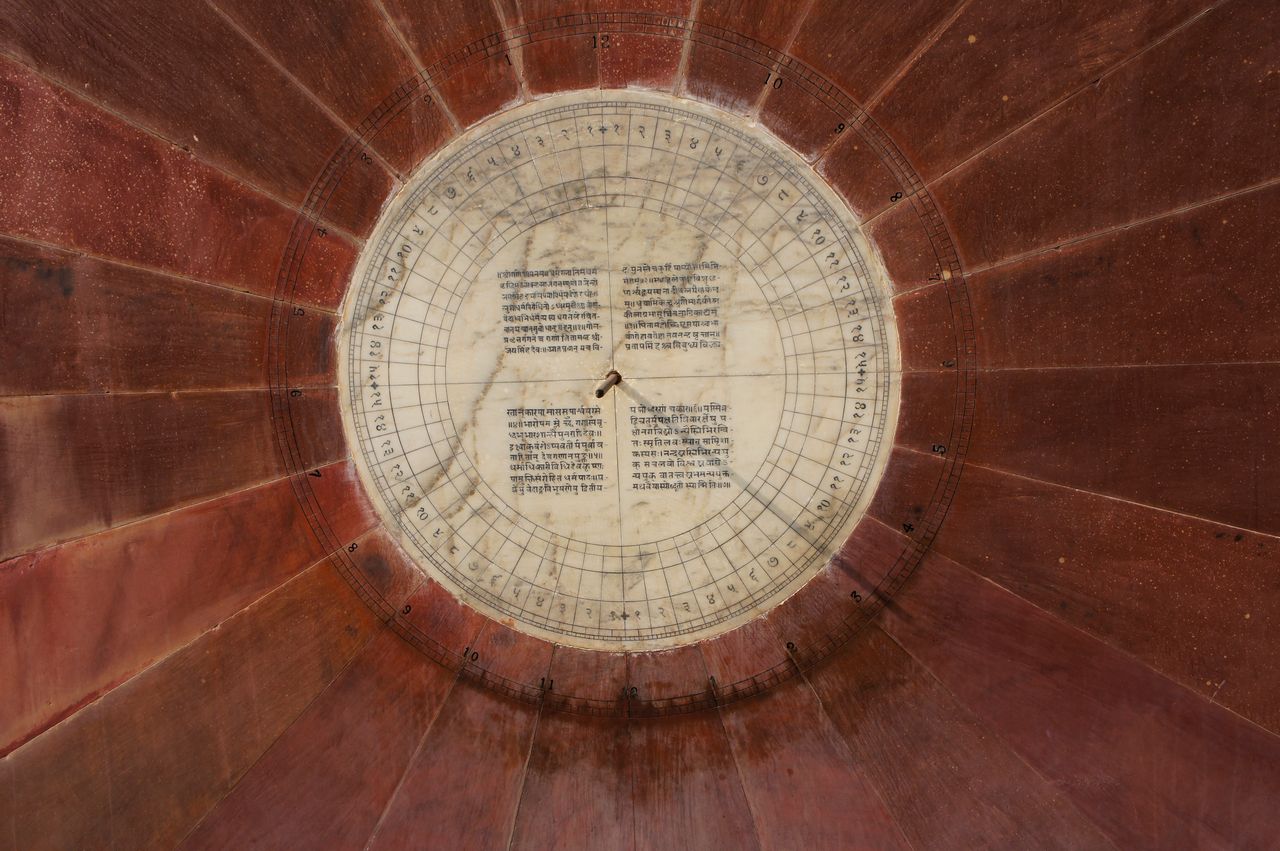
(116, 212)
(1151, 137)
(685, 785)
(728, 62)
(109, 327)
(220, 702)
(1139, 743)
(806, 121)
(804, 786)
(464, 784)
(1193, 599)
(910, 258)
(854, 168)
(807, 619)
(322, 276)
(347, 56)
(99, 610)
(178, 449)
(643, 51)
(381, 568)
(577, 785)
(666, 676)
(908, 486)
(1078, 306)
(948, 779)
(590, 682)
(560, 53)
(477, 83)
(1104, 430)
(449, 627)
(989, 72)
(863, 45)
(927, 415)
(512, 659)
(194, 81)
(328, 778)
(929, 329)
(737, 656)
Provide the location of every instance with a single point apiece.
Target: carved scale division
(619, 369)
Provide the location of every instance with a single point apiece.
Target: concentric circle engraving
(619, 370)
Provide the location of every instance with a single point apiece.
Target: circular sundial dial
(620, 370)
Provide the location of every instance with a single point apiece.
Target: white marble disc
(716, 273)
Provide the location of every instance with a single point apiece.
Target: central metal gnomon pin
(611, 378)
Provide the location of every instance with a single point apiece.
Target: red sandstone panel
(39, 791)
(434, 30)
(510, 658)
(807, 620)
(344, 53)
(995, 68)
(315, 425)
(101, 327)
(738, 661)
(464, 784)
(329, 776)
(861, 44)
(728, 77)
(382, 570)
(667, 675)
(1150, 762)
(78, 464)
(856, 170)
(927, 416)
(899, 235)
(805, 789)
(449, 627)
(417, 122)
(947, 780)
(596, 679)
(339, 494)
(641, 57)
(768, 23)
(310, 346)
(96, 611)
(156, 754)
(799, 114)
(869, 557)
(473, 85)
(1156, 135)
(911, 481)
(686, 787)
(195, 81)
(736, 78)
(563, 50)
(1199, 440)
(1200, 285)
(577, 788)
(356, 195)
(927, 329)
(1195, 600)
(327, 263)
(156, 206)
